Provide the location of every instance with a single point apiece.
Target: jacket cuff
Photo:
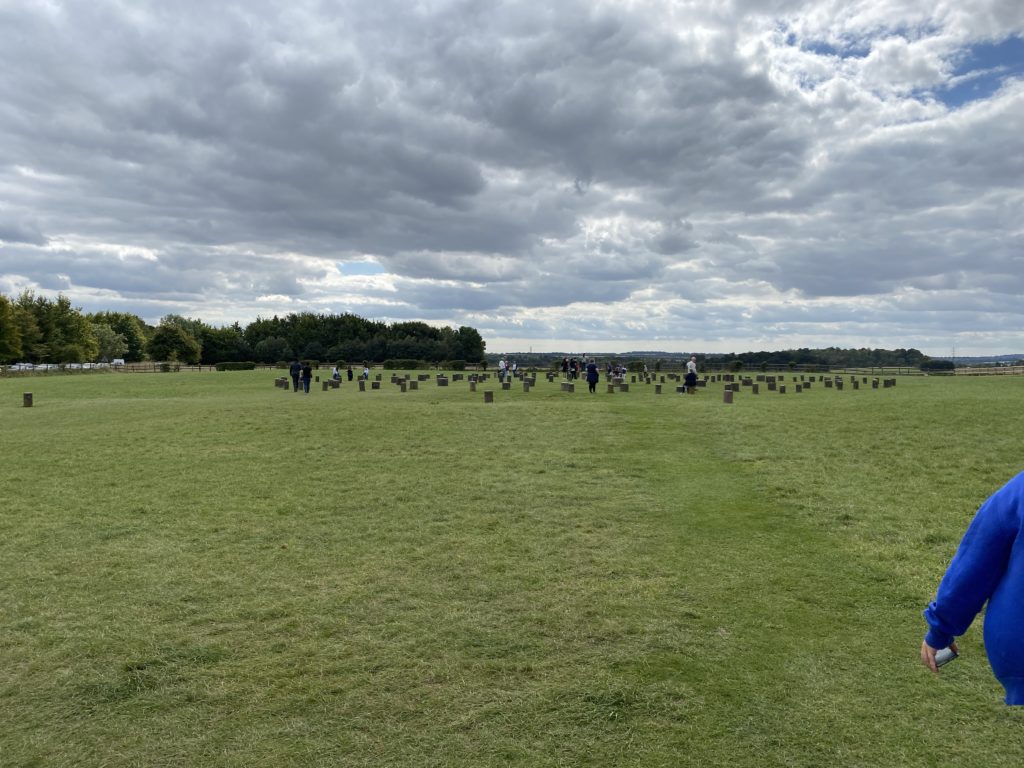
(937, 639)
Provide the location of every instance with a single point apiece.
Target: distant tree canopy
(830, 357)
(938, 365)
(36, 330)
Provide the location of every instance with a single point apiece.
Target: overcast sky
(567, 176)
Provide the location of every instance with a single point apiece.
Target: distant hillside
(833, 357)
(981, 360)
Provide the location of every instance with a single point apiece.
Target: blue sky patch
(982, 70)
(847, 50)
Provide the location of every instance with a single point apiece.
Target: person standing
(592, 376)
(690, 381)
(295, 370)
(348, 373)
(307, 376)
(988, 567)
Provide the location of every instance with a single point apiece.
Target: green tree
(273, 349)
(469, 345)
(131, 327)
(25, 318)
(171, 342)
(110, 344)
(10, 333)
(57, 332)
(223, 345)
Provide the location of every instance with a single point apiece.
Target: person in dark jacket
(690, 380)
(592, 375)
(295, 371)
(307, 376)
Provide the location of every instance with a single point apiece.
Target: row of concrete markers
(732, 383)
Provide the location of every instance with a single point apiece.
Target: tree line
(827, 358)
(37, 329)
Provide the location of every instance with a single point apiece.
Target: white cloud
(651, 174)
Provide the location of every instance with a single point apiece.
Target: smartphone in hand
(945, 656)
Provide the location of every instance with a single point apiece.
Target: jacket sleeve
(978, 566)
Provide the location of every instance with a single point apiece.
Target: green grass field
(202, 569)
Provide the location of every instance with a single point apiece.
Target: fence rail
(994, 370)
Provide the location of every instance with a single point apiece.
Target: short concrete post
(326, 385)
(657, 389)
(375, 385)
(753, 389)
(488, 396)
(727, 396)
(472, 386)
(26, 399)
(506, 385)
(526, 385)
(362, 385)
(782, 389)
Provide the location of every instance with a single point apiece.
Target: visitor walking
(307, 376)
(295, 370)
(592, 376)
(988, 567)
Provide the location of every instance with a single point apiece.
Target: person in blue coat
(592, 376)
(988, 567)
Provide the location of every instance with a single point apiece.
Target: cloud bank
(604, 176)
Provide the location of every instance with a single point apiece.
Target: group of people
(988, 566)
(507, 369)
(302, 374)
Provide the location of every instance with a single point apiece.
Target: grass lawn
(202, 569)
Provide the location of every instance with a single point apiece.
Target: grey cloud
(21, 232)
(473, 147)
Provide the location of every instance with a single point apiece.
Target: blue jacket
(988, 566)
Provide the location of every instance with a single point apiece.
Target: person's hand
(928, 655)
